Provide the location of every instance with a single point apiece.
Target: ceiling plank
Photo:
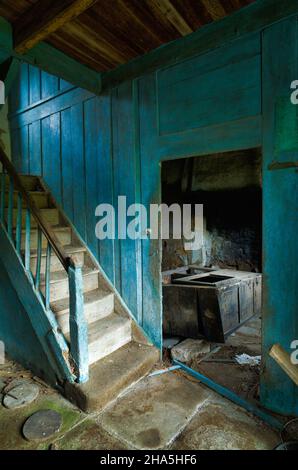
(251, 19)
(172, 15)
(214, 8)
(43, 19)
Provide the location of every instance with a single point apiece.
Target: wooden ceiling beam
(44, 18)
(173, 16)
(50, 60)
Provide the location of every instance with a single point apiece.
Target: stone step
(63, 234)
(59, 283)
(107, 335)
(98, 304)
(56, 265)
(41, 199)
(29, 182)
(112, 375)
(50, 215)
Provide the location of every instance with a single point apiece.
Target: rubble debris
(246, 359)
(169, 343)
(42, 425)
(190, 349)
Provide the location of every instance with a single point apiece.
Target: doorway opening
(212, 294)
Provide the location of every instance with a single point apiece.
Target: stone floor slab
(152, 413)
(88, 436)
(221, 425)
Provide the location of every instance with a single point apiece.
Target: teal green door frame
(280, 211)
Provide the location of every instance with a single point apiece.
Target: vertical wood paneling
(66, 163)
(34, 84)
(51, 153)
(115, 143)
(24, 143)
(35, 156)
(78, 163)
(24, 86)
(151, 194)
(91, 161)
(63, 85)
(125, 185)
(49, 85)
(106, 247)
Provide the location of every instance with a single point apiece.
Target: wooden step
(50, 215)
(30, 183)
(98, 304)
(59, 283)
(107, 335)
(110, 376)
(63, 233)
(56, 265)
(41, 199)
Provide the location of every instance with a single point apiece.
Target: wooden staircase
(118, 351)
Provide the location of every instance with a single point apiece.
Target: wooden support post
(78, 324)
(284, 361)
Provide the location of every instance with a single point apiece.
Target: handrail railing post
(10, 208)
(27, 239)
(48, 277)
(19, 224)
(77, 322)
(38, 258)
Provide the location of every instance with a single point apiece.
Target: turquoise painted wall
(92, 149)
(21, 343)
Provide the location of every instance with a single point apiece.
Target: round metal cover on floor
(42, 425)
(21, 395)
(15, 383)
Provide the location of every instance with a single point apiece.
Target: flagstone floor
(169, 411)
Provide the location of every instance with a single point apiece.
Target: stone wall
(229, 187)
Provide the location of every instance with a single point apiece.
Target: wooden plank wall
(92, 149)
(17, 333)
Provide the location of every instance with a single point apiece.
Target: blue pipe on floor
(225, 392)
